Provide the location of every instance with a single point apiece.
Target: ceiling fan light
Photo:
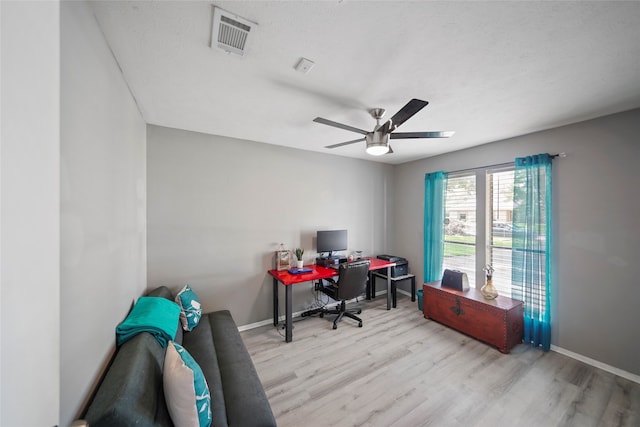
(377, 150)
(377, 143)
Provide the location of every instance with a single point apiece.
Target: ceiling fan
(378, 139)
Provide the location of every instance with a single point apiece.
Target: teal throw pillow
(190, 308)
(185, 389)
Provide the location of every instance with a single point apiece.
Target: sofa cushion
(185, 389)
(240, 381)
(199, 343)
(190, 308)
(134, 376)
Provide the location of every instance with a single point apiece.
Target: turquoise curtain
(531, 244)
(435, 185)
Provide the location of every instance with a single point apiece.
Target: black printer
(402, 265)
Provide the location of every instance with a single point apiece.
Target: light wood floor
(402, 370)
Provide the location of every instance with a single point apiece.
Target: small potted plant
(299, 252)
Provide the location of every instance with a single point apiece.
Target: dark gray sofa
(131, 393)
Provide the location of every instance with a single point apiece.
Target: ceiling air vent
(230, 32)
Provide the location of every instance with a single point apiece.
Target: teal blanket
(158, 316)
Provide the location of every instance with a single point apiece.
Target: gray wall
(102, 206)
(219, 207)
(596, 211)
(29, 225)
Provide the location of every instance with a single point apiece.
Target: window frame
(505, 289)
(454, 175)
(484, 222)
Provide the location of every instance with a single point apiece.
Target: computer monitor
(331, 241)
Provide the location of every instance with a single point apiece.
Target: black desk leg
(413, 288)
(275, 302)
(372, 283)
(388, 288)
(369, 284)
(288, 315)
(394, 292)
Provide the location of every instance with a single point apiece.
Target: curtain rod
(553, 156)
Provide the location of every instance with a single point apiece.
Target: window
(460, 226)
(478, 225)
(500, 185)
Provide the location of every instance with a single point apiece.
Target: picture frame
(283, 260)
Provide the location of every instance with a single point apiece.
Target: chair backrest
(352, 279)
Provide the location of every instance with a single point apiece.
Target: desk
(317, 273)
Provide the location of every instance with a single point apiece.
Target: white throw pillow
(185, 389)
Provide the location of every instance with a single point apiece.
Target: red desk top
(286, 278)
(318, 272)
(377, 263)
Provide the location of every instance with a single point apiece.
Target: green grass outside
(451, 248)
(454, 249)
(502, 241)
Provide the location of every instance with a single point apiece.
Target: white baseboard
(255, 325)
(619, 372)
(403, 292)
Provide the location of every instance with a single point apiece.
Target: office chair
(352, 282)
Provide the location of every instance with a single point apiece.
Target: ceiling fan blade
(405, 113)
(434, 134)
(339, 125)
(345, 143)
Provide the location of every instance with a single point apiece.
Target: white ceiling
(490, 70)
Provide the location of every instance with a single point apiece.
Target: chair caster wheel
(359, 311)
(360, 325)
(335, 326)
(321, 315)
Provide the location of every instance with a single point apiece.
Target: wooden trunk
(498, 322)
